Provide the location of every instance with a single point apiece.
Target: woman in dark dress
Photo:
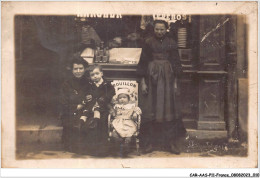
(85, 133)
(158, 67)
(73, 91)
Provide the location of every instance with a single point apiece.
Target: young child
(98, 97)
(97, 103)
(125, 115)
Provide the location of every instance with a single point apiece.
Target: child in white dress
(125, 118)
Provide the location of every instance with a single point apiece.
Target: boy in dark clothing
(100, 93)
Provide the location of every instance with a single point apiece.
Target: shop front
(207, 91)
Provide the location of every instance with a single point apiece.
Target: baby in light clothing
(125, 114)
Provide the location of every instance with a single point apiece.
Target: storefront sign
(171, 17)
(98, 15)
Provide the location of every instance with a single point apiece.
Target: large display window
(111, 39)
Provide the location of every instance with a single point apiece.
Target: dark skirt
(161, 133)
(161, 123)
(160, 91)
(83, 140)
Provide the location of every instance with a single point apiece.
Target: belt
(160, 56)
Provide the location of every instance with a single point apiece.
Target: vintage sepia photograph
(114, 85)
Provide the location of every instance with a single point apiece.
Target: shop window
(130, 31)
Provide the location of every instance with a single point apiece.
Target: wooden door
(203, 85)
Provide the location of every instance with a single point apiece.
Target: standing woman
(158, 67)
(73, 91)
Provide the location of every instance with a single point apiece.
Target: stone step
(34, 134)
(52, 134)
(211, 125)
(207, 134)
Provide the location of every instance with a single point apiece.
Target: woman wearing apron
(158, 67)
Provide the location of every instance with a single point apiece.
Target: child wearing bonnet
(125, 118)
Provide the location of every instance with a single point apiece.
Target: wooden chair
(135, 136)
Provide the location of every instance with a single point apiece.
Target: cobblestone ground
(190, 148)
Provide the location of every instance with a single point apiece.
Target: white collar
(99, 83)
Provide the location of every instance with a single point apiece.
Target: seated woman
(72, 92)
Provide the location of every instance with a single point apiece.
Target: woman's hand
(144, 87)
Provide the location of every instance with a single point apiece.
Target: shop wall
(38, 73)
(242, 71)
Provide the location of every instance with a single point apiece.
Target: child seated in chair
(125, 120)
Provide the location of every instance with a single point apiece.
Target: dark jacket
(72, 93)
(102, 95)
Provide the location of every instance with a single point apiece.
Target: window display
(118, 39)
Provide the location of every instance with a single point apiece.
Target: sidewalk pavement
(190, 148)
